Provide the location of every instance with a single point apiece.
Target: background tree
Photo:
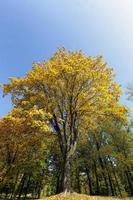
(23, 146)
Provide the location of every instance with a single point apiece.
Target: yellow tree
(76, 90)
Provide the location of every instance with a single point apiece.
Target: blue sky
(31, 30)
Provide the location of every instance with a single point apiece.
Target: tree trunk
(60, 178)
(21, 185)
(129, 183)
(97, 191)
(58, 184)
(13, 195)
(67, 175)
(102, 166)
(89, 181)
(27, 186)
(115, 177)
(68, 157)
(78, 181)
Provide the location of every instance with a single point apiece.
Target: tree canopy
(72, 101)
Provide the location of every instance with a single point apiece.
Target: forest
(67, 131)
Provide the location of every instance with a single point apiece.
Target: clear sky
(31, 30)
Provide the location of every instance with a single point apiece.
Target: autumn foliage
(59, 102)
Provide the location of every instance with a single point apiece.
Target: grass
(75, 196)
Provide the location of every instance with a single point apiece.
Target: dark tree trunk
(58, 184)
(60, 179)
(129, 183)
(89, 181)
(117, 183)
(97, 180)
(115, 177)
(78, 180)
(112, 192)
(21, 185)
(102, 166)
(27, 186)
(111, 185)
(13, 195)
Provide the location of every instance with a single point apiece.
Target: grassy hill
(76, 196)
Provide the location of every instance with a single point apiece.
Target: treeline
(102, 164)
(66, 132)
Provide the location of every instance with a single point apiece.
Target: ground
(76, 196)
